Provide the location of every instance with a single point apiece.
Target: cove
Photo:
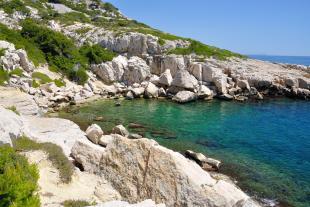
(265, 145)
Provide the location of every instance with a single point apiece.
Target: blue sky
(274, 27)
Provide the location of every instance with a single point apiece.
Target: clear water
(299, 60)
(264, 145)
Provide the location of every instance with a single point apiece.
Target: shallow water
(264, 145)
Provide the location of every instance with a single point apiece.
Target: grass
(41, 77)
(55, 155)
(4, 76)
(59, 82)
(35, 84)
(2, 52)
(17, 72)
(33, 52)
(72, 17)
(14, 109)
(76, 203)
(14, 5)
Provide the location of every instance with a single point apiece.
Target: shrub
(42, 78)
(4, 76)
(109, 7)
(59, 82)
(55, 155)
(14, 5)
(76, 203)
(18, 180)
(71, 17)
(14, 109)
(17, 71)
(35, 84)
(33, 52)
(96, 54)
(2, 52)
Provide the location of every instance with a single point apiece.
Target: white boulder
(94, 133)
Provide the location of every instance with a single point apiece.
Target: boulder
(93, 133)
(304, 83)
(6, 45)
(134, 136)
(121, 130)
(291, 82)
(196, 70)
(243, 84)
(146, 203)
(221, 83)
(105, 71)
(50, 87)
(137, 71)
(10, 126)
(141, 169)
(184, 80)
(204, 92)
(174, 63)
(201, 159)
(129, 95)
(210, 72)
(105, 140)
(24, 61)
(162, 92)
(151, 91)
(165, 78)
(138, 92)
(225, 97)
(119, 64)
(184, 97)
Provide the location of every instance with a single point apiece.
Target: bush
(33, 52)
(71, 17)
(4, 76)
(59, 82)
(96, 54)
(55, 155)
(17, 71)
(14, 5)
(76, 203)
(42, 78)
(35, 84)
(18, 180)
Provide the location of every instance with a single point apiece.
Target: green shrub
(109, 7)
(14, 109)
(14, 5)
(76, 203)
(35, 84)
(71, 17)
(42, 78)
(17, 71)
(55, 155)
(96, 54)
(161, 41)
(59, 82)
(4, 76)
(33, 52)
(18, 180)
(2, 52)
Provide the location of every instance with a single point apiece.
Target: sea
(264, 146)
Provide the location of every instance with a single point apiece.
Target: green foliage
(18, 180)
(14, 109)
(59, 82)
(55, 155)
(41, 77)
(157, 33)
(14, 5)
(161, 41)
(76, 203)
(96, 53)
(35, 84)
(71, 17)
(4, 76)
(109, 7)
(201, 49)
(2, 52)
(17, 71)
(33, 52)
(60, 51)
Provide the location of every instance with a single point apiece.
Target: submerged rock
(204, 161)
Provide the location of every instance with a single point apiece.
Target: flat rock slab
(23, 102)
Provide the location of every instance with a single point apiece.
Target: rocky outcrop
(165, 78)
(141, 169)
(183, 79)
(184, 97)
(137, 71)
(151, 91)
(146, 203)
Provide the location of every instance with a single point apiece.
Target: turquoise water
(264, 145)
(300, 60)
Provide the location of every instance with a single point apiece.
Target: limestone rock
(105, 140)
(174, 63)
(204, 92)
(243, 84)
(10, 126)
(165, 78)
(184, 80)
(138, 92)
(196, 70)
(221, 83)
(121, 130)
(93, 133)
(146, 203)
(105, 71)
(184, 97)
(129, 95)
(137, 71)
(151, 91)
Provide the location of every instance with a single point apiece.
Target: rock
(204, 92)
(154, 79)
(146, 203)
(134, 136)
(129, 95)
(290, 82)
(304, 83)
(50, 87)
(184, 80)
(173, 62)
(10, 126)
(151, 91)
(241, 98)
(196, 70)
(210, 72)
(225, 97)
(121, 130)
(184, 97)
(6, 45)
(62, 132)
(141, 169)
(23, 102)
(201, 159)
(138, 92)
(120, 64)
(105, 140)
(162, 92)
(165, 78)
(93, 133)
(105, 71)
(89, 154)
(243, 84)
(137, 71)
(24, 62)
(221, 83)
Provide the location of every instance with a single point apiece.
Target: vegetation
(201, 49)
(4, 76)
(59, 82)
(55, 155)
(2, 52)
(14, 5)
(96, 54)
(33, 52)
(60, 51)
(35, 84)
(14, 109)
(71, 17)
(41, 77)
(76, 203)
(17, 72)
(18, 180)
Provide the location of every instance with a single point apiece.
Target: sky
(266, 27)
